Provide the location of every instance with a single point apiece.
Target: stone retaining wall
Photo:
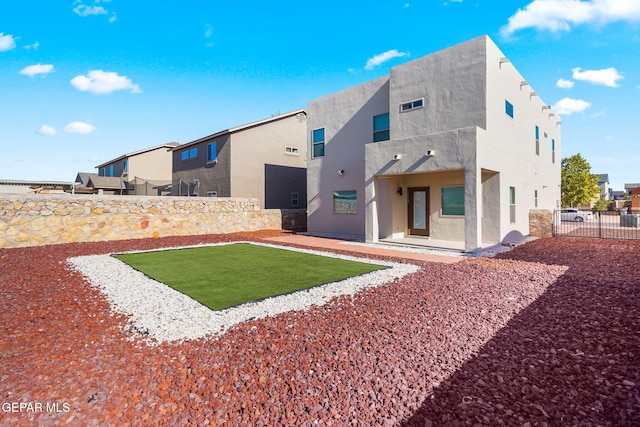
(540, 223)
(41, 219)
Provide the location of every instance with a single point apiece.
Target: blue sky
(87, 81)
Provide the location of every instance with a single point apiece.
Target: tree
(579, 185)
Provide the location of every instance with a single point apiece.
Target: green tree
(579, 185)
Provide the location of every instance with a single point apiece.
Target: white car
(571, 214)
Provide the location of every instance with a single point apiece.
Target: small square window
(184, 155)
(453, 201)
(345, 202)
(193, 153)
(295, 200)
(291, 150)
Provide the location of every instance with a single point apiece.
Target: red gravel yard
(547, 334)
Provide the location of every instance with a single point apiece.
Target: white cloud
(47, 130)
(209, 31)
(568, 106)
(33, 70)
(79, 127)
(84, 10)
(33, 46)
(565, 84)
(6, 42)
(104, 82)
(383, 57)
(560, 15)
(113, 17)
(607, 77)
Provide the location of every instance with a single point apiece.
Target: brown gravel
(546, 335)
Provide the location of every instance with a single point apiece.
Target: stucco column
(472, 210)
(371, 211)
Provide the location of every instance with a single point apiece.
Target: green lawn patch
(227, 275)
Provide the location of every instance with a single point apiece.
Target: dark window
(317, 139)
(381, 127)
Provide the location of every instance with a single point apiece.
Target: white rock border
(161, 313)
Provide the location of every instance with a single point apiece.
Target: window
(126, 165)
(212, 154)
(344, 202)
(512, 204)
(408, 106)
(295, 200)
(508, 108)
(103, 171)
(291, 150)
(317, 141)
(110, 170)
(553, 150)
(212, 194)
(190, 154)
(537, 140)
(381, 127)
(535, 198)
(453, 201)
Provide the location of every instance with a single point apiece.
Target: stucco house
(265, 160)
(145, 172)
(454, 147)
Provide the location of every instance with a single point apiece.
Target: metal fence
(145, 187)
(602, 225)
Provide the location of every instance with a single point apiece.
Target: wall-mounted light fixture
(397, 156)
(341, 172)
(430, 153)
(399, 191)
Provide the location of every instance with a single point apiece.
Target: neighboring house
(10, 186)
(633, 190)
(603, 183)
(454, 146)
(92, 183)
(264, 160)
(146, 171)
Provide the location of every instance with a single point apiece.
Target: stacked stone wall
(540, 223)
(42, 219)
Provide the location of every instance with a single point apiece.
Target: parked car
(571, 214)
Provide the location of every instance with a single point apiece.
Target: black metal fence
(603, 225)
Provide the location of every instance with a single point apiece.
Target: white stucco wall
(463, 121)
(347, 117)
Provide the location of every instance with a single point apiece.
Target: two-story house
(144, 172)
(455, 147)
(265, 159)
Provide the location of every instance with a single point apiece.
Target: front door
(419, 211)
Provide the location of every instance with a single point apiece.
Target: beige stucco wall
(252, 148)
(151, 165)
(31, 220)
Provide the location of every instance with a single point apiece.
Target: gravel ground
(546, 334)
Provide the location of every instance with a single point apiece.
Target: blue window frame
(317, 141)
(381, 127)
(508, 108)
(453, 200)
(110, 170)
(184, 155)
(212, 154)
(537, 132)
